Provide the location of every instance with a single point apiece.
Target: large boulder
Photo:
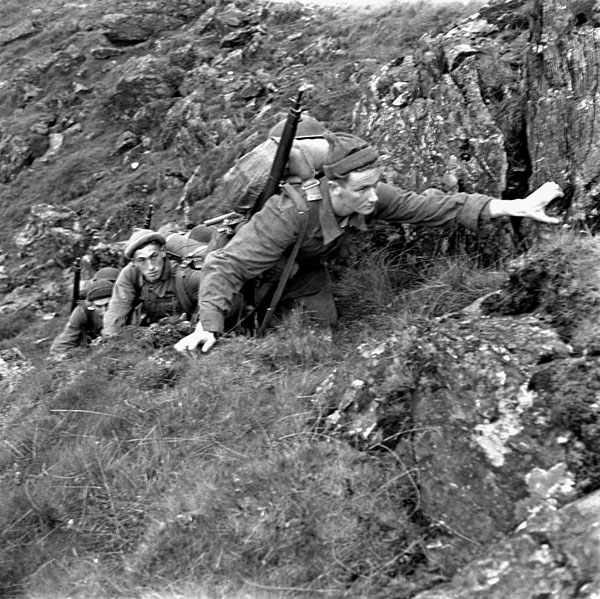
(554, 554)
(563, 107)
(143, 80)
(493, 414)
(499, 104)
(21, 30)
(432, 112)
(123, 28)
(18, 151)
(453, 401)
(449, 115)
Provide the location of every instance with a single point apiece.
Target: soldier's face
(101, 305)
(150, 259)
(357, 194)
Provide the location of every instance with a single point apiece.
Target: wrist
(499, 208)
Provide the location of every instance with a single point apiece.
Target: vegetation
(129, 467)
(130, 470)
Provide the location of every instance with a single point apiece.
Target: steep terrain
(425, 450)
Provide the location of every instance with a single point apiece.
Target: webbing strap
(180, 291)
(182, 294)
(287, 271)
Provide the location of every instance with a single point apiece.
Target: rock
(440, 116)
(563, 105)
(143, 80)
(13, 366)
(124, 28)
(126, 141)
(55, 231)
(23, 29)
(151, 116)
(232, 16)
(480, 430)
(554, 554)
(560, 284)
(184, 127)
(55, 141)
(104, 52)
(38, 297)
(206, 21)
(454, 401)
(19, 151)
(240, 37)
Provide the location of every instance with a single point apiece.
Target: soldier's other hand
(534, 205)
(203, 339)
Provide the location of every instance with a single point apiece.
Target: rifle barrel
(148, 221)
(76, 283)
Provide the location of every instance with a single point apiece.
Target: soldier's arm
(432, 208)
(436, 208)
(122, 302)
(70, 337)
(255, 249)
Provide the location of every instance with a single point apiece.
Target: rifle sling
(287, 271)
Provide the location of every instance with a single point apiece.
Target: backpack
(243, 184)
(186, 251)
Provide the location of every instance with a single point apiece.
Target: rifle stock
(283, 151)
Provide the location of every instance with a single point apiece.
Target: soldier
(349, 192)
(86, 321)
(150, 286)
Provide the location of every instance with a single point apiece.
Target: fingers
(551, 220)
(185, 345)
(208, 344)
(553, 190)
(189, 344)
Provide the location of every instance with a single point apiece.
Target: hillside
(399, 455)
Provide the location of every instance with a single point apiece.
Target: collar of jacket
(333, 226)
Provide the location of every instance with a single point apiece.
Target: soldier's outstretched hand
(533, 206)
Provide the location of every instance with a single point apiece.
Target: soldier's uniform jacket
(84, 325)
(156, 300)
(262, 242)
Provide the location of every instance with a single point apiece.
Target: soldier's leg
(312, 292)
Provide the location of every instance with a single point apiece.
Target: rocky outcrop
(493, 415)
(499, 104)
(563, 102)
(13, 366)
(144, 80)
(496, 420)
(456, 398)
(554, 554)
(19, 31)
(433, 112)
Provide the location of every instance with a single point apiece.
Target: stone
(21, 30)
(143, 80)
(554, 554)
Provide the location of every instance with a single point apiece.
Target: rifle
(283, 151)
(273, 184)
(76, 282)
(148, 221)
